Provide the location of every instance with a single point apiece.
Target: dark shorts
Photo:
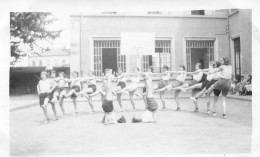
(93, 87)
(77, 89)
(176, 84)
(162, 84)
(144, 90)
(53, 91)
(108, 106)
(210, 83)
(224, 85)
(192, 82)
(217, 92)
(43, 96)
(151, 104)
(204, 84)
(60, 89)
(121, 84)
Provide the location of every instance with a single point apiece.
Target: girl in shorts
(63, 88)
(179, 81)
(212, 78)
(92, 87)
(75, 84)
(165, 77)
(224, 84)
(44, 88)
(135, 83)
(121, 78)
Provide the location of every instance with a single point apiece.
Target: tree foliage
(26, 29)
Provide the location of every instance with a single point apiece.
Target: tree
(27, 29)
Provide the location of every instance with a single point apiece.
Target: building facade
(53, 58)
(180, 38)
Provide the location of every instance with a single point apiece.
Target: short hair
(166, 67)
(225, 60)
(151, 68)
(53, 71)
(76, 73)
(62, 73)
(119, 69)
(44, 73)
(199, 64)
(217, 64)
(182, 66)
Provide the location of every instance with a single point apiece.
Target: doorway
(237, 58)
(109, 59)
(199, 55)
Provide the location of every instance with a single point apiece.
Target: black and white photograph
(149, 81)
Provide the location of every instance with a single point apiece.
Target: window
(63, 62)
(40, 63)
(197, 12)
(103, 46)
(201, 51)
(162, 56)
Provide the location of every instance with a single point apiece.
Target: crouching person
(108, 108)
(152, 106)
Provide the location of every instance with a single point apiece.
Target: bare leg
(201, 93)
(61, 105)
(120, 102)
(46, 100)
(95, 93)
(75, 105)
(215, 105)
(54, 110)
(161, 89)
(193, 93)
(198, 85)
(180, 87)
(208, 102)
(91, 104)
(162, 99)
(177, 92)
(224, 106)
(131, 94)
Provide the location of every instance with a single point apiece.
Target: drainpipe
(80, 51)
(228, 33)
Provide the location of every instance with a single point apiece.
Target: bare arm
(38, 89)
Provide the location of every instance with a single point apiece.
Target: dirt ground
(177, 132)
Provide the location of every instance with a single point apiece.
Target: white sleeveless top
(44, 85)
(135, 79)
(92, 80)
(122, 79)
(226, 72)
(181, 77)
(166, 77)
(75, 82)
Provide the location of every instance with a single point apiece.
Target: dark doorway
(199, 55)
(237, 58)
(109, 59)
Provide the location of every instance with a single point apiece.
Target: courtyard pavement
(177, 132)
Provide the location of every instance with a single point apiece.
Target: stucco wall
(175, 27)
(241, 26)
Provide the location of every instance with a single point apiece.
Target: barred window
(161, 57)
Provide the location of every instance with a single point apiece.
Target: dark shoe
(121, 120)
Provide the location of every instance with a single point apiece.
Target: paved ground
(175, 133)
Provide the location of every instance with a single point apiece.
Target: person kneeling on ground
(152, 106)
